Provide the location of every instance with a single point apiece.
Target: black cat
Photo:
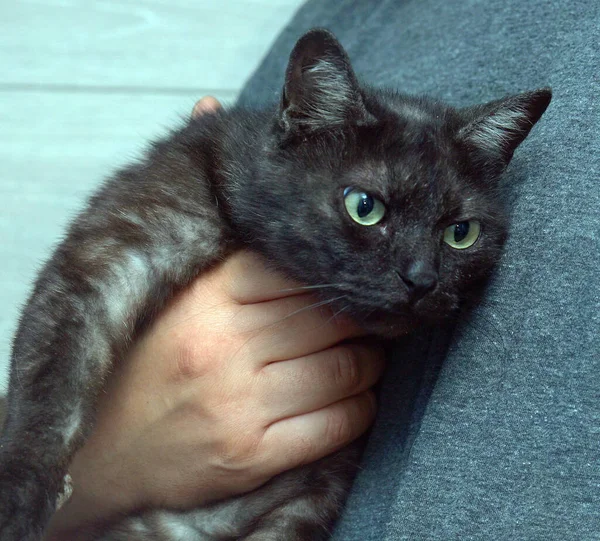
(392, 198)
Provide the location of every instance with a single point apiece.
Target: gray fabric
(501, 440)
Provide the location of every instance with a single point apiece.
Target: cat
(392, 198)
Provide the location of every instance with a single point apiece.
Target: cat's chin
(396, 324)
(388, 325)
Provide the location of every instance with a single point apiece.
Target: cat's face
(388, 203)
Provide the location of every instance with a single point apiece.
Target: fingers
(208, 104)
(290, 328)
(306, 438)
(313, 382)
(249, 280)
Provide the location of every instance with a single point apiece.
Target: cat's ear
(321, 90)
(493, 131)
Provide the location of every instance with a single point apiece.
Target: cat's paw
(26, 503)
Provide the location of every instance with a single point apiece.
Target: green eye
(363, 208)
(463, 234)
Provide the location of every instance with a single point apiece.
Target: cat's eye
(462, 234)
(362, 207)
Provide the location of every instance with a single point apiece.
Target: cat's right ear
(493, 131)
(321, 90)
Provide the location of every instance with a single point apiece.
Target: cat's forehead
(401, 177)
(399, 157)
(415, 112)
(419, 193)
(411, 110)
(411, 161)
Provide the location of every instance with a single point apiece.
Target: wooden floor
(83, 84)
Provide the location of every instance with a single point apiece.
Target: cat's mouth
(392, 320)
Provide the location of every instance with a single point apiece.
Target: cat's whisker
(295, 313)
(366, 316)
(314, 305)
(336, 314)
(305, 288)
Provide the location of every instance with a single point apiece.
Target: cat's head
(389, 202)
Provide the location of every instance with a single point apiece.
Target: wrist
(79, 518)
(99, 496)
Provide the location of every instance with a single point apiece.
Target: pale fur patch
(333, 91)
(495, 131)
(125, 287)
(414, 113)
(177, 529)
(73, 424)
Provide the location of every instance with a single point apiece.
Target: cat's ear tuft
(321, 90)
(493, 131)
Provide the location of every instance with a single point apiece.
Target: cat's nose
(419, 278)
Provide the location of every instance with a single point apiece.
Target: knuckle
(347, 371)
(345, 325)
(338, 428)
(238, 452)
(305, 450)
(188, 360)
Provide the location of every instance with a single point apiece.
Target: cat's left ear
(321, 90)
(493, 131)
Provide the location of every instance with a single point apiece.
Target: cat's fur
(273, 181)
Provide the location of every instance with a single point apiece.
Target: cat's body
(304, 185)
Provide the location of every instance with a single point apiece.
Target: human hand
(237, 380)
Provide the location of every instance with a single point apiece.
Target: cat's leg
(306, 518)
(297, 520)
(82, 314)
(312, 513)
